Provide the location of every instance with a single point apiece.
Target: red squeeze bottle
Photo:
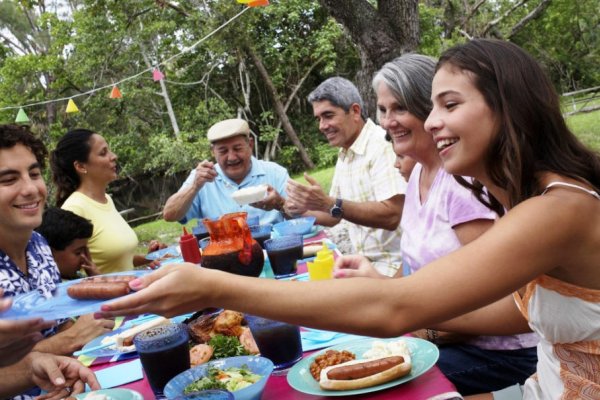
(189, 248)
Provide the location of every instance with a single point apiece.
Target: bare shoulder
(564, 225)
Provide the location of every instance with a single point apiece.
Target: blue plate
(164, 254)
(424, 355)
(315, 230)
(114, 394)
(58, 305)
(107, 351)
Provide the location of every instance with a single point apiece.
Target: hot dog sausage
(362, 370)
(110, 278)
(98, 290)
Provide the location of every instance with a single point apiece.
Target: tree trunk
(381, 34)
(285, 122)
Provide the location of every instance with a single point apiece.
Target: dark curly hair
(533, 135)
(61, 227)
(11, 135)
(73, 146)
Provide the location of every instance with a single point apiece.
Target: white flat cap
(228, 128)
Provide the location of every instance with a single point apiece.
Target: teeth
(445, 143)
(28, 206)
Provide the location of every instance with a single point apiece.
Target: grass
(585, 126)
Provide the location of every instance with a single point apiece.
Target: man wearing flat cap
(206, 193)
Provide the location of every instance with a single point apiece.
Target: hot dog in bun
(358, 374)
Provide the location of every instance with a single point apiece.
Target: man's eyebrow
(8, 171)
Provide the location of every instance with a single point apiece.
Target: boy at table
(67, 234)
(26, 262)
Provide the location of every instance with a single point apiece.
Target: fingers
(311, 180)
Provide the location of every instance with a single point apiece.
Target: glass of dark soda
(164, 353)
(283, 253)
(278, 341)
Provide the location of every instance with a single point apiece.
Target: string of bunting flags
(157, 74)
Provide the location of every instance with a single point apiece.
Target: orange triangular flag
(72, 107)
(258, 3)
(115, 93)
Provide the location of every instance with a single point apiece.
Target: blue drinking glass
(164, 353)
(283, 253)
(260, 233)
(278, 341)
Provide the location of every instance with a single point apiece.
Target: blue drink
(283, 253)
(164, 353)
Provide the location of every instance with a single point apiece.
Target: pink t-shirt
(427, 228)
(428, 234)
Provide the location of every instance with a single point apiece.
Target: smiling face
(22, 191)
(101, 165)
(70, 259)
(234, 156)
(406, 130)
(341, 128)
(461, 122)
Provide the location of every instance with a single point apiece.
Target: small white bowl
(250, 194)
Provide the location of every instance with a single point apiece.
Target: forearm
(374, 214)
(178, 204)
(499, 318)
(329, 310)
(63, 343)
(323, 218)
(16, 378)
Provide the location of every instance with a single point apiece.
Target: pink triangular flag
(157, 75)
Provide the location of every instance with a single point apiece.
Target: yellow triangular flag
(21, 116)
(72, 107)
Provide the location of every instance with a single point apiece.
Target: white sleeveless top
(569, 348)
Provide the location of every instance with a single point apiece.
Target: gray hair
(409, 78)
(340, 92)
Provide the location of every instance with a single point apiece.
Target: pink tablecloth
(427, 385)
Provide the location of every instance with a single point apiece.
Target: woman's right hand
(172, 290)
(353, 266)
(17, 338)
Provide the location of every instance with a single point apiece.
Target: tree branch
(539, 10)
(496, 21)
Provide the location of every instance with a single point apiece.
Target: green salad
(231, 379)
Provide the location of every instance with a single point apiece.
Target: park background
(180, 66)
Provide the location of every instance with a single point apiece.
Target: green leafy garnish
(226, 346)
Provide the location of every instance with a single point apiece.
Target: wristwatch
(337, 211)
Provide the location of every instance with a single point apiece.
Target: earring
(85, 171)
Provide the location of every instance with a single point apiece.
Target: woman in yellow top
(82, 168)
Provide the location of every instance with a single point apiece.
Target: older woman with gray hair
(439, 216)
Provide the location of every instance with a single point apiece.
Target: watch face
(336, 212)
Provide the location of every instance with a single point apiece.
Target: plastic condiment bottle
(189, 247)
(322, 266)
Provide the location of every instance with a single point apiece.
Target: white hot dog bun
(395, 371)
(125, 338)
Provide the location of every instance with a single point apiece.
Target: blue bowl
(258, 365)
(210, 394)
(298, 226)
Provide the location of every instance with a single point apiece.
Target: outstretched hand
(354, 266)
(302, 198)
(172, 290)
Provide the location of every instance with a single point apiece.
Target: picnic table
(425, 386)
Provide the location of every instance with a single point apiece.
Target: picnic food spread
(219, 335)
